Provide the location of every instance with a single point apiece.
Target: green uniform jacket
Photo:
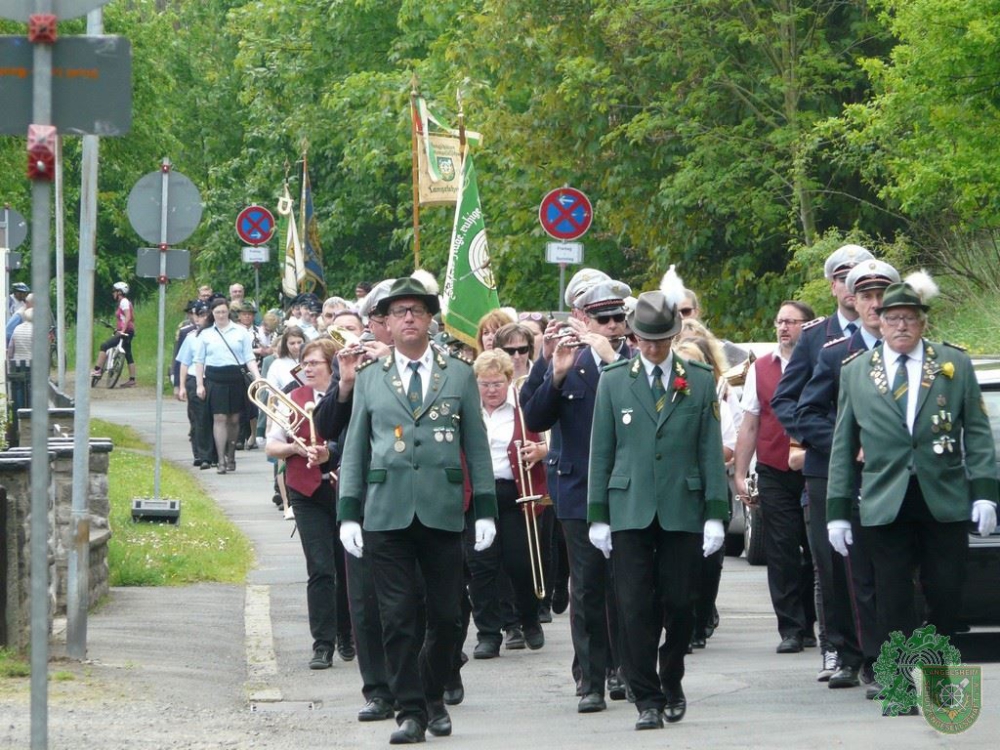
(667, 465)
(412, 465)
(950, 413)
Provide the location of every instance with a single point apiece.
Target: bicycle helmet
(20, 286)
(120, 286)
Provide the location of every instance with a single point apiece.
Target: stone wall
(15, 477)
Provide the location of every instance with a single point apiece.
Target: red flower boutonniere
(681, 387)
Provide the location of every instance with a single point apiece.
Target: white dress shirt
(914, 364)
(405, 373)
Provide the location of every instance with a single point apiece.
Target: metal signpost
(163, 207)
(42, 18)
(255, 226)
(565, 214)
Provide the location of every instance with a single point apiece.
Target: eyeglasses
(492, 385)
(315, 363)
(787, 322)
(605, 319)
(531, 316)
(417, 311)
(512, 350)
(895, 320)
(686, 311)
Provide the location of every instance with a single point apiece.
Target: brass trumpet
(281, 410)
(348, 342)
(528, 503)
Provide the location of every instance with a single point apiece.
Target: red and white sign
(255, 225)
(565, 214)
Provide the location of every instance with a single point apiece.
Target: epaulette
(461, 358)
(618, 363)
(813, 322)
(856, 354)
(955, 346)
(834, 342)
(702, 365)
(365, 363)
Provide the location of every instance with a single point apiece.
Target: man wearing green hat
(415, 413)
(912, 423)
(657, 500)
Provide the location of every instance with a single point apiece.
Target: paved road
(214, 666)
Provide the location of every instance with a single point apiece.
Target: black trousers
(367, 626)
(418, 668)
(316, 519)
(834, 579)
(507, 555)
(786, 549)
(200, 417)
(917, 541)
(593, 619)
(656, 580)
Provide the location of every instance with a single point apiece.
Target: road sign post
(565, 214)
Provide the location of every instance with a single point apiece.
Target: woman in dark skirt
(221, 351)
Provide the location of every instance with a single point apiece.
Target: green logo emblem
(899, 663)
(952, 697)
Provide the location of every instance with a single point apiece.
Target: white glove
(840, 535)
(600, 537)
(486, 532)
(984, 512)
(350, 537)
(715, 535)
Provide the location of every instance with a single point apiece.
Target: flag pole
(414, 119)
(302, 202)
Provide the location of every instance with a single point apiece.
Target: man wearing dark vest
(789, 566)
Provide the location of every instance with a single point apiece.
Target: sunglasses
(685, 311)
(605, 319)
(531, 316)
(512, 350)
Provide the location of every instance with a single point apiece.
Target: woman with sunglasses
(313, 499)
(518, 341)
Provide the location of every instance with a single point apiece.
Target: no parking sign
(255, 225)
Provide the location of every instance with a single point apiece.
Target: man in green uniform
(415, 413)
(912, 423)
(658, 496)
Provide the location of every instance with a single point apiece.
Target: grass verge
(204, 546)
(12, 665)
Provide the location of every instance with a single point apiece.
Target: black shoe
(409, 733)
(867, 673)
(845, 677)
(377, 709)
(809, 641)
(872, 691)
(196, 462)
(514, 640)
(544, 614)
(676, 705)
(454, 693)
(239, 445)
(591, 703)
(790, 645)
(205, 465)
(345, 647)
(486, 650)
(698, 641)
(651, 718)
(534, 637)
(322, 658)
(252, 444)
(438, 720)
(560, 600)
(616, 688)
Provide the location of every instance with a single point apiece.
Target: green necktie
(415, 393)
(659, 392)
(901, 382)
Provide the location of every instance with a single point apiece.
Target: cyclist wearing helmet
(15, 302)
(124, 331)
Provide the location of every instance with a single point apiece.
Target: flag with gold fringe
(294, 269)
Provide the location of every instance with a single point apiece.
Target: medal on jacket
(626, 416)
(399, 446)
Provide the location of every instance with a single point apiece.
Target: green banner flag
(469, 289)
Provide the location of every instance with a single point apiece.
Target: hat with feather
(655, 316)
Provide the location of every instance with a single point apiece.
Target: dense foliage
(739, 139)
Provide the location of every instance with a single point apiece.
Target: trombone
(281, 410)
(528, 503)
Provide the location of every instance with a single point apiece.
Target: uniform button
(658, 456)
(416, 467)
(416, 424)
(416, 443)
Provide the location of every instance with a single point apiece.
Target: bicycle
(115, 362)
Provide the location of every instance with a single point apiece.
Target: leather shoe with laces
(676, 705)
(486, 650)
(616, 687)
(345, 647)
(591, 703)
(845, 677)
(650, 718)
(322, 658)
(377, 709)
(534, 637)
(438, 720)
(409, 733)
(790, 645)
(514, 640)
